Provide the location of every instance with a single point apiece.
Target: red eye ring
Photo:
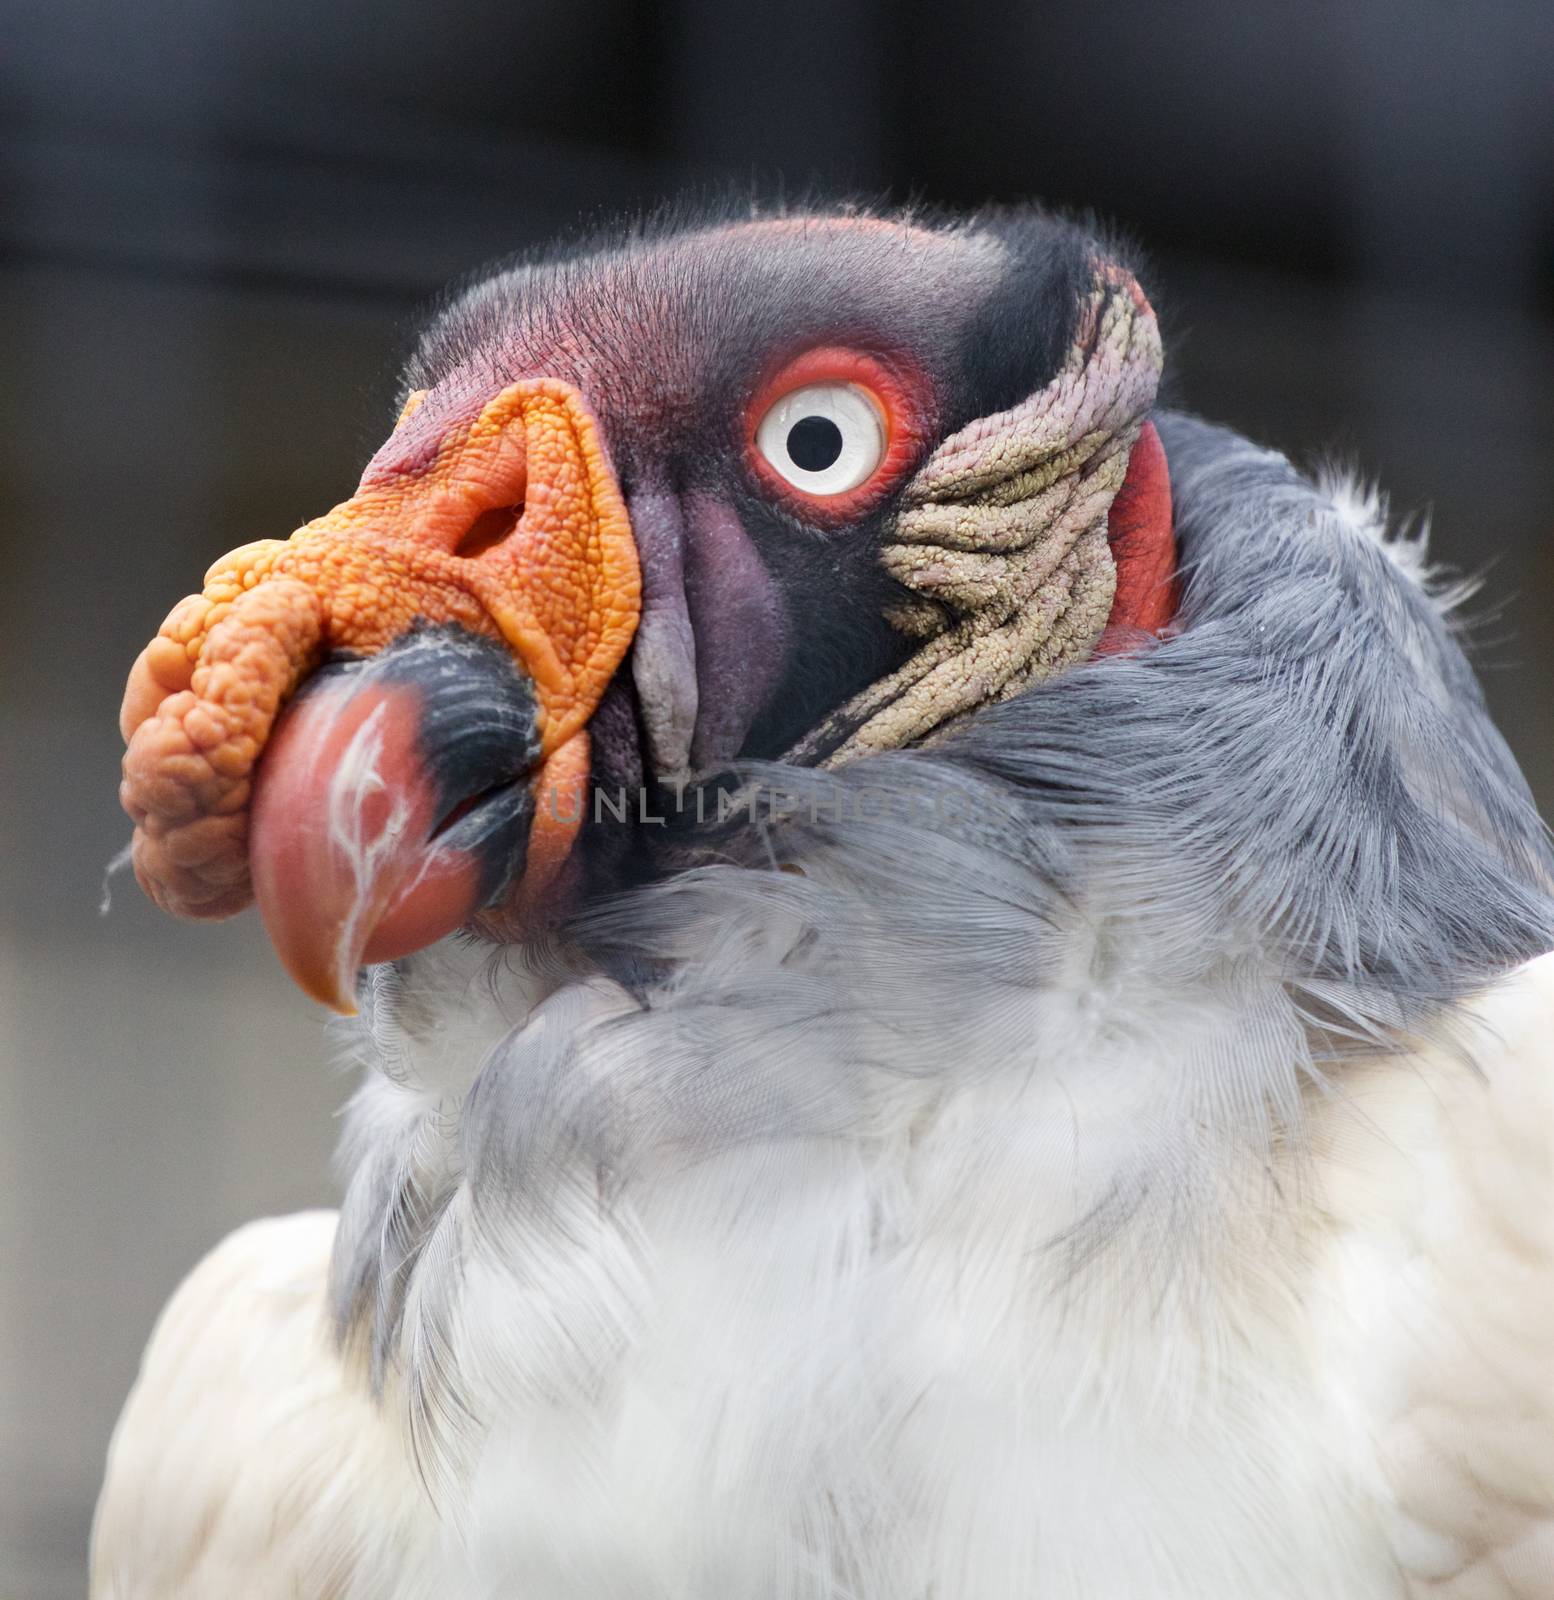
(901, 398)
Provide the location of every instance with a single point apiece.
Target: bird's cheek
(744, 632)
(715, 634)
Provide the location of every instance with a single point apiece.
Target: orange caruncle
(516, 530)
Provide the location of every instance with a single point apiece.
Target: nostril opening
(504, 791)
(490, 528)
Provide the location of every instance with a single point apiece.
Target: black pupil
(814, 443)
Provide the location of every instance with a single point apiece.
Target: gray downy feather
(1223, 861)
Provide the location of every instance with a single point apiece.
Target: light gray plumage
(1295, 819)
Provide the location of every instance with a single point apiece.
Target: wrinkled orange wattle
(559, 583)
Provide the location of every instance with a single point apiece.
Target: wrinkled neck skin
(1061, 991)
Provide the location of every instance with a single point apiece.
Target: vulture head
(953, 1209)
(797, 488)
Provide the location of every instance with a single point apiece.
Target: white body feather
(868, 1367)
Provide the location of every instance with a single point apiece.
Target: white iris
(825, 438)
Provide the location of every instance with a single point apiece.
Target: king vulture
(950, 976)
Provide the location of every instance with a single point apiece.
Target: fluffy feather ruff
(932, 1216)
(1363, 506)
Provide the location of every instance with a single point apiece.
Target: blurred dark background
(218, 223)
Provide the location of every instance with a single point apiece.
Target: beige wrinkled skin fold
(1003, 538)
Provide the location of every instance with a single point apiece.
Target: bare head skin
(585, 476)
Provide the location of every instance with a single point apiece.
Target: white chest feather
(962, 1351)
(959, 1338)
(911, 1367)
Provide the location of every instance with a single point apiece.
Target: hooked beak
(437, 645)
(392, 804)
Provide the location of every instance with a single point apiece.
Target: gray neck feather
(1214, 867)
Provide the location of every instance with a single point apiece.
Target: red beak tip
(343, 870)
(326, 986)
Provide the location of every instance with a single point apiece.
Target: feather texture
(1114, 1164)
(898, 1386)
(1433, 1315)
(250, 1460)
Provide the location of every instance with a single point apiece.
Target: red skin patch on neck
(1143, 540)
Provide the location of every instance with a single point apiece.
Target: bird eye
(824, 438)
